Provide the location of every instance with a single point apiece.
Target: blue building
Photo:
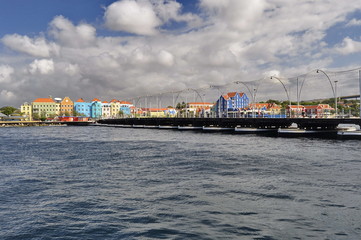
(96, 108)
(230, 104)
(125, 107)
(82, 107)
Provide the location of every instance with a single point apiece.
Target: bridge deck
(305, 123)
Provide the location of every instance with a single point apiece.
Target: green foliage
(181, 105)
(36, 116)
(42, 116)
(8, 110)
(273, 101)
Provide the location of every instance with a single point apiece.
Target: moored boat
(189, 128)
(256, 130)
(168, 127)
(211, 128)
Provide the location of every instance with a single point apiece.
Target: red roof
(80, 100)
(200, 103)
(95, 100)
(44, 100)
(105, 102)
(114, 100)
(232, 94)
(125, 102)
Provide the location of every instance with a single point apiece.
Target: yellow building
(114, 108)
(67, 107)
(45, 107)
(27, 111)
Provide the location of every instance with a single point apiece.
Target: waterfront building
(66, 107)
(198, 109)
(125, 107)
(114, 108)
(96, 108)
(2, 117)
(318, 111)
(295, 110)
(230, 104)
(82, 108)
(106, 109)
(27, 110)
(45, 107)
(264, 109)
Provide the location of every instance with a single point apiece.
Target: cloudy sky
(122, 49)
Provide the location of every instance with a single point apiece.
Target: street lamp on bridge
(284, 87)
(334, 89)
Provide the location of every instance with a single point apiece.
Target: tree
(36, 116)
(43, 116)
(181, 105)
(8, 110)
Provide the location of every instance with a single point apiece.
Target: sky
(130, 48)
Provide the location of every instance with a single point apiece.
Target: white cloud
(5, 73)
(349, 46)
(168, 10)
(37, 47)
(236, 14)
(132, 16)
(354, 22)
(234, 40)
(42, 66)
(165, 58)
(69, 35)
(6, 95)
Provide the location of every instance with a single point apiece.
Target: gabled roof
(49, 100)
(80, 100)
(232, 94)
(114, 100)
(95, 100)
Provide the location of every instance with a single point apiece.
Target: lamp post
(284, 87)
(359, 78)
(333, 89)
(336, 98)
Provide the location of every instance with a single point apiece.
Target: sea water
(123, 183)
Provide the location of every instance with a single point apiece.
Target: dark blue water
(117, 183)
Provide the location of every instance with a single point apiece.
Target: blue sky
(120, 49)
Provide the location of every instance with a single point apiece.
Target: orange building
(67, 107)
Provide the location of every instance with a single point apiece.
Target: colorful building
(106, 109)
(230, 104)
(114, 108)
(264, 109)
(96, 108)
(125, 107)
(45, 107)
(82, 108)
(27, 111)
(318, 111)
(66, 107)
(198, 109)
